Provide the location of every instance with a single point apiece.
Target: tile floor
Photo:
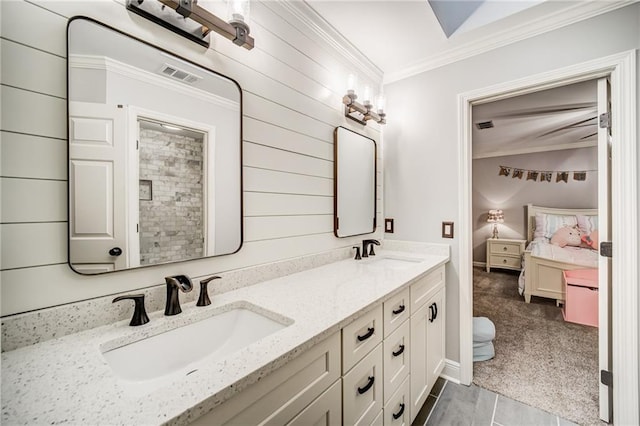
(453, 404)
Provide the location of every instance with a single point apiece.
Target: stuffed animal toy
(566, 236)
(591, 241)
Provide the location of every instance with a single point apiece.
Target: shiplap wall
(292, 85)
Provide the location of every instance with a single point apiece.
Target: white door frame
(621, 68)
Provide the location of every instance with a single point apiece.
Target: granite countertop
(67, 380)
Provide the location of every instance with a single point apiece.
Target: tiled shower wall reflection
(171, 222)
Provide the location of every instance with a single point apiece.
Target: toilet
(484, 331)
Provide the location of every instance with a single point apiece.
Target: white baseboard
(480, 264)
(451, 371)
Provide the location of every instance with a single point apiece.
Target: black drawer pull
(399, 310)
(399, 351)
(399, 414)
(366, 336)
(367, 386)
(504, 248)
(432, 314)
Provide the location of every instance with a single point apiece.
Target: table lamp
(495, 217)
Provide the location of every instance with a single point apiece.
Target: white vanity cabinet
(378, 370)
(427, 335)
(285, 395)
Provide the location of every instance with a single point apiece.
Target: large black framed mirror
(354, 183)
(155, 154)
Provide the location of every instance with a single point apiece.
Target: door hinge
(605, 120)
(606, 378)
(137, 144)
(606, 249)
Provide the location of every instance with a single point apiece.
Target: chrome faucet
(175, 283)
(366, 244)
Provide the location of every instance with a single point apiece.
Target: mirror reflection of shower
(172, 210)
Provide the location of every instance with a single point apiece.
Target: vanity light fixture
(495, 217)
(365, 111)
(173, 14)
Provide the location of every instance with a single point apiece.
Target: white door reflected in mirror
(139, 193)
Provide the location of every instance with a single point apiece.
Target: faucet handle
(139, 313)
(369, 243)
(203, 299)
(358, 257)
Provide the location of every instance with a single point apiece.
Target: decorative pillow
(548, 224)
(591, 241)
(587, 224)
(567, 236)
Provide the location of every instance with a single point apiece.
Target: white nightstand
(504, 253)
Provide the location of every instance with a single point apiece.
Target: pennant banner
(544, 175)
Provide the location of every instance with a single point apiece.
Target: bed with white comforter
(543, 262)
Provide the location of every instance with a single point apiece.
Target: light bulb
(352, 82)
(380, 103)
(238, 10)
(366, 96)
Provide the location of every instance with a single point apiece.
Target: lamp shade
(495, 216)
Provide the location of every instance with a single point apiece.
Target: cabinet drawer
(581, 305)
(396, 410)
(396, 359)
(505, 248)
(325, 410)
(396, 310)
(506, 261)
(362, 390)
(422, 289)
(281, 395)
(359, 337)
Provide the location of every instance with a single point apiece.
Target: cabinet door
(281, 395)
(418, 353)
(427, 348)
(435, 338)
(362, 390)
(326, 410)
(396, 349)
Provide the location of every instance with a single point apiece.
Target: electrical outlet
(388, 226)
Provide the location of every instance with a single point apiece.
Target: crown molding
(309, 21)
(575, 13)
(111, 65)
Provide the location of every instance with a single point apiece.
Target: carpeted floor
(541, 360)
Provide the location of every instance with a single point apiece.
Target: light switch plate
(388, 226)
(447, 229)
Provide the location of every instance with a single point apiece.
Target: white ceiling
(549, 120)
(404, 37)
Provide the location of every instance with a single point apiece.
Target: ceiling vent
(178, 74)
(485, 125)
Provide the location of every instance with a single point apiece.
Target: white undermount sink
(153, 360)
(393, 262)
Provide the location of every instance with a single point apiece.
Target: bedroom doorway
(542, 151)
(624, 197)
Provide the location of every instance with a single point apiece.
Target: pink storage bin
(581, 296)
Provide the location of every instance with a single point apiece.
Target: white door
(97, 155)
(604, 266)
